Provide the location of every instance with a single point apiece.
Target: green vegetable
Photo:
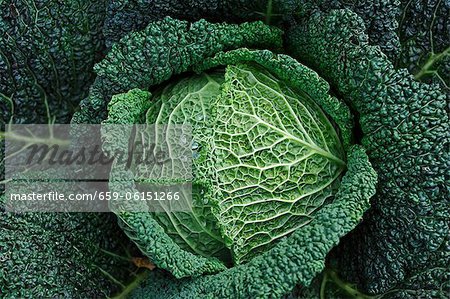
(291, 128)
(264, 124)
(296, 259)
(263, 147)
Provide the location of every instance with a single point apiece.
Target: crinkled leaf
(275, 159)
(406, 133)
(424, 31)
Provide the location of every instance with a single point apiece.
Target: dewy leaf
(276, 157)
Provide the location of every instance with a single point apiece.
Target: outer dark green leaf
(379, 16)
(125, 16)
(406, 133)
(47, 255)
(47, 51)
(424, 31)
(165, 48)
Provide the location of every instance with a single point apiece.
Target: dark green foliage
(405, 236)
(402, 249)
(379, 16)
(415, 34)
(424, 31)
(46, 255)
(47, 51)
(433, 283)
(165, 48)
(128, 16)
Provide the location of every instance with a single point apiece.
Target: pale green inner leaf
(265, 158)
(277, 159)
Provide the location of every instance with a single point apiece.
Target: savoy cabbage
(288, 122)
(253, 154)
(266, 157)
